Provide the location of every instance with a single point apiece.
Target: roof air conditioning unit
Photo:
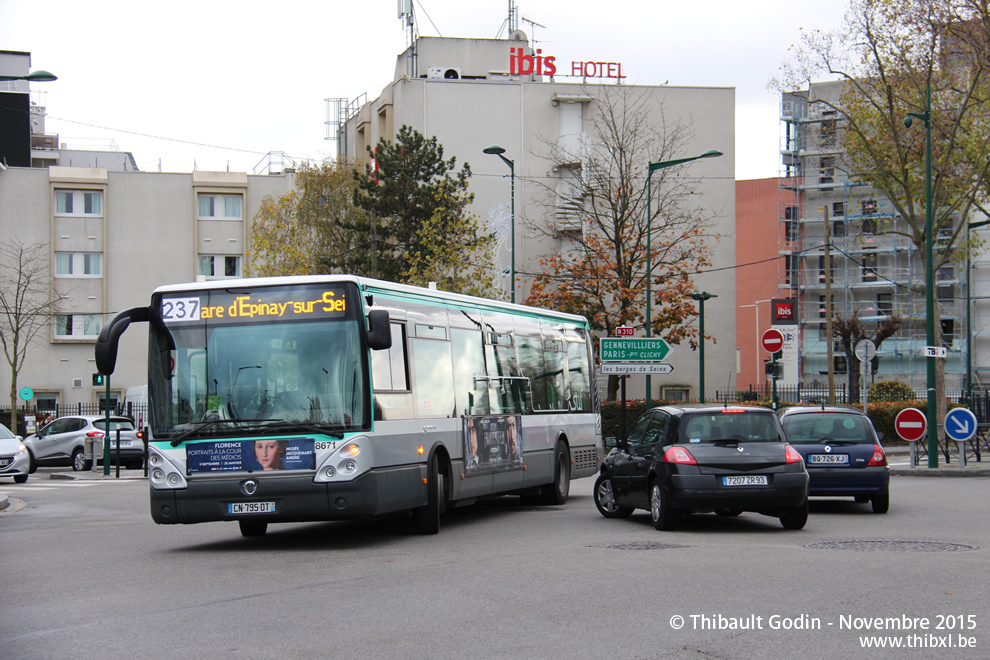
(445, 72)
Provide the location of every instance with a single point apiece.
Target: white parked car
(14, 459)
(63, 442)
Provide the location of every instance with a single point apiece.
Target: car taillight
(878, 458)
(140, 435)
(679, 455)
(791, 455)
(95, 434)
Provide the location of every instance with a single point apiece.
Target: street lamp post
(711, 153)
(701, 298)
(926, 117)
(498, 151)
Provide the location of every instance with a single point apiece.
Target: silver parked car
(63, 442)
(14, 459)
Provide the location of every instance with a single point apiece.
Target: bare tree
(28, 303)
(598, 207)
(850, 331)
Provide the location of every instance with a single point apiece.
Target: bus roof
(371, 285)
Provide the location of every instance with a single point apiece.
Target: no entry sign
(910, 424)
(772, 340)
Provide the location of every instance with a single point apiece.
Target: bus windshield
(228, 375)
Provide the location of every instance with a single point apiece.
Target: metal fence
(136, 411)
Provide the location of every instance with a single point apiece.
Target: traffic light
(98, 379)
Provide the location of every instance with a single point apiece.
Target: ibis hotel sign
(651, 349)
(546, 65)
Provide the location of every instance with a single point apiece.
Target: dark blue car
(842, 452)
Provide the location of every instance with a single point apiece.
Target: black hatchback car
(677, 460)
(842, 451)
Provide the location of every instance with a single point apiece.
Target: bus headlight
(164, 475)
(351, 460)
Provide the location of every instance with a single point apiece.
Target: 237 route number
(180, 309)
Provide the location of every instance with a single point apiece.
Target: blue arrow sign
(960, 424)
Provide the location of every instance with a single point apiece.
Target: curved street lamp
(36, 76)
(498, 151)
(711, 153)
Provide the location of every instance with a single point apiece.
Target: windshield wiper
(202, 425)
(283, 425)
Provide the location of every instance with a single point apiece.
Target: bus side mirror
(107, 343)
(379, 331)
(611, 442)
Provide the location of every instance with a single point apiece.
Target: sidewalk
(902, 454)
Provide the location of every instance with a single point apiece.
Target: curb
(4, 501)
(940, 472)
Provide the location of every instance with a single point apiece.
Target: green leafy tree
(304, 231)
(600, 272)
(416, 221)
(889, 54)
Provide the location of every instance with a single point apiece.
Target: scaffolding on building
(872, 271)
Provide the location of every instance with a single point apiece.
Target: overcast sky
(220, 83)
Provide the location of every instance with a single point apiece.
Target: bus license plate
(748, 480)
(251, 507)
(833, 459)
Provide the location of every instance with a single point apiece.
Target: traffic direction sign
(652, 349)
(637, 368)
(935, 351)
(772, 340)
(910, 424)
(960, 424)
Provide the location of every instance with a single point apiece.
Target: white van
(136, 404)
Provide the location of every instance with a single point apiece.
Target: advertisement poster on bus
(492, 442)
(251, 455)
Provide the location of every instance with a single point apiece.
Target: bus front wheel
(556, 493)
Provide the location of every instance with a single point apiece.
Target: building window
(219, 207)
(827, 173)
(791, 213)
(838, 209)
(78, 202)
(838, 228)
(790, 269)
(218, 267)
(822, 308)
(790, 230)
(839, 363)
(674, 393)
(78, 264)
(869, 206)
(869, 265)
(78, 326)
(869, 226)
(885, 304)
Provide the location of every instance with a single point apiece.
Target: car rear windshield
(816, 427)
(723, 426)
(122, 424)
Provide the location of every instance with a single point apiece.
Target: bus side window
(470, 376)
(388, 367)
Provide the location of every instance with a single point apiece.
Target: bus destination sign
(257, 305)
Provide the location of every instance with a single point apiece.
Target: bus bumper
(295, 498)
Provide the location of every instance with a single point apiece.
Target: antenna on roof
(535, 25)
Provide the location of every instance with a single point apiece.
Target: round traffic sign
(865, 350)
(910, 424)
(26, 393)
(772, 340)
(960, 424)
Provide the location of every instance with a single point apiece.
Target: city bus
(317, 398)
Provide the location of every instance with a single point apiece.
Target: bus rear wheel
(556, 493)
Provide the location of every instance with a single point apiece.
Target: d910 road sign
(652, 349)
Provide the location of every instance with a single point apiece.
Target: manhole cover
(641, 545)
(886, 545)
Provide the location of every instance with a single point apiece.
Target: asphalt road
(89, 575)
